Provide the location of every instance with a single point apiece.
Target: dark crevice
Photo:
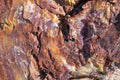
(87, 33)
(29, 74)
(28, 77)
(27, 20)
(43, 74)
(36, 59)
(38, 38)
(108, 61)
(46, 71)
(50, 55)
(77, 8)
(117, 22)
(44, 65)
(61, 2)
(51, 74)
(64, 27)
(39, 41)
(53, 63)
(111, 2)
(72, 39)
(37, 4)
(41, 71)
(1, 26)
(86, 51)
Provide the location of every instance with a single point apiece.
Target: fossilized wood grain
(59, 39)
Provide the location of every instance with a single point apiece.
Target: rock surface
(59, 40)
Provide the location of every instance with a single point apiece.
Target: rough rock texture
(59, 39)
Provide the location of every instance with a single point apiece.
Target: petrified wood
(59, 39)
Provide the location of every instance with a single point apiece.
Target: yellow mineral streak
(53, 47)
(98, 62)
(95, 64)
(46, 15)
(71, 2)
